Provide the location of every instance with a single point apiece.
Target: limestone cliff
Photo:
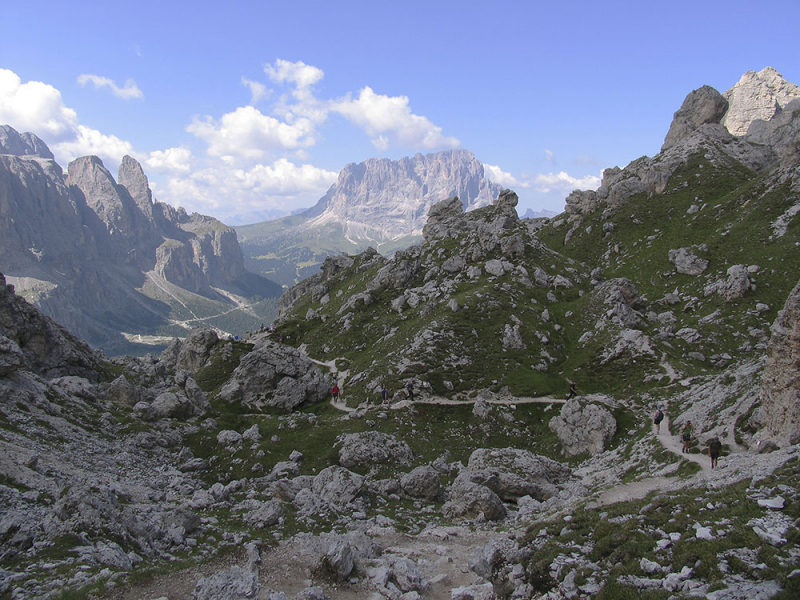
(780, 387)
(82, 246)
(382, 199)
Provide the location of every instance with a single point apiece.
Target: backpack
(715, 446)
(659, 417)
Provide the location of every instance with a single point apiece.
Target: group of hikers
(687, 433)
(336, 392)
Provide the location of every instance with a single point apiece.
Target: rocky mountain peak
(131, 176)
(382, 199)
(757, 96)
(22, 144)
(701, 106)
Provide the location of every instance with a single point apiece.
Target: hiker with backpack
(335, 392)
(657, 418)
(384, 394)
(410, 388)
(714, 450)
(686, 436)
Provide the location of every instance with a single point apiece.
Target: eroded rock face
(583, 428)
(780, 387)
(277, 376)
(757, 96)
(704, 105)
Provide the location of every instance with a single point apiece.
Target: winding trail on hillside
(639, 489)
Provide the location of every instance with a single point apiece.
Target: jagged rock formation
(758, 96)
(379, 202)
(780, 388)
(381, 199)
(98, 255)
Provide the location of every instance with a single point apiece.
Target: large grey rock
(737, 283)
(265, 515)
(422, 482)
(372, 448)
(471, 500)
(704, 105)
(512, 473)
(275, 375)
(337, 485)
(687, 262)
(583, 428)
(195, 349)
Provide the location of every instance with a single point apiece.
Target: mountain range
(224, 469)
(107, 261)
(380, 203)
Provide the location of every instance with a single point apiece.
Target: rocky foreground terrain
(219, 469)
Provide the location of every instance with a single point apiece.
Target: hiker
(714, 449)
(335, 392)
(686, 436)
(384, 394)
(572, 391)
(410, 388)
(657, 418)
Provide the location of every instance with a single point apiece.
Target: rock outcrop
(704, 105)
(780, 387)
(758, 96)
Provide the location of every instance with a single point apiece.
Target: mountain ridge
(88, 250)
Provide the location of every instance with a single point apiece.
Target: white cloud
(36, 107)
(563, 182)
(258, 91)
(222, 190)
(499, 176)
(299, 73)
(88, 141)
(176, 160)
(131, 90)
(551, 157)
(388, 120)
(250, 134)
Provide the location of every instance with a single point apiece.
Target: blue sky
(255, 106)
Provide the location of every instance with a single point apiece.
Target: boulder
(512, 473)
(422, 482)
(337, 485)
(372, 448)
(229, 437)
(275, 375)
(687, 262)
(471, 500)
(265, 515)
(583, 428)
